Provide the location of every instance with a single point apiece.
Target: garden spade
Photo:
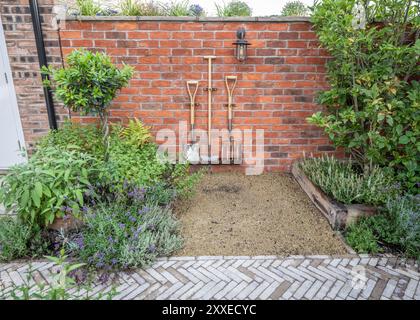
(209, 158)
(233, 153)
(192, 151)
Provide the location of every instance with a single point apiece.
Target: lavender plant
(196, 10)
(397, 228)
(345, 183)
(121, 237)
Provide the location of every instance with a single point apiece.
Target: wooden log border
(338, 215)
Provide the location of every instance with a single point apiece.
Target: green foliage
(62, 286)
(130, 8)
(73, 136)
(140, 8)
(68, 175)
(233, 9)
(52, 179)
(294, 8)
(120, 236)
(183, 181)
(19, 240)
(129, 163)
(180, 8)
(346, 184)
(89, 82)
(397, 227)
(373, 106)
(135, 133)
(14, 238)
(361, 238)
(88, 7)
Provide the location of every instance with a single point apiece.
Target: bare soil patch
(234, 214)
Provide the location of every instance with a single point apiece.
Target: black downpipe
(42, 57)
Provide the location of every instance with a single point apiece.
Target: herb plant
(347, 183)
(51, 180)
(120, 236)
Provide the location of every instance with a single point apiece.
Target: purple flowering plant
(120, 236)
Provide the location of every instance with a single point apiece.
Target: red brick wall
(275, 91)
(21, 47)
(276, 85)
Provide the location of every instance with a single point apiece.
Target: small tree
(294, 8)
(88, 84)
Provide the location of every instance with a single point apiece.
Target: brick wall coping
(188, 19)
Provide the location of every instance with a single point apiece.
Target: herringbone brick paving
(264, 277)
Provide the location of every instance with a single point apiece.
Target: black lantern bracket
(241, 45)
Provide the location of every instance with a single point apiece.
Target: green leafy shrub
(52, 179)
(233, 9)
(294, 8)
(132, 157)
(343, 182)
(361, 238)
(373, 103)
(88, 84)
(184, 182)
(73, 136)
(120, 236)
(67, 175)
(18, 240)
(128, 162)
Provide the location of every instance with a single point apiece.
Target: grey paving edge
(188, 19)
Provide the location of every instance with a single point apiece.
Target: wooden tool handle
(210, 58)
(230, 96)
(192, 99)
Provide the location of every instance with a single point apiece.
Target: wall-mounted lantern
(241, 45)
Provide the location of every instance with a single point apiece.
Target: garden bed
(234, 214)
(338, 215)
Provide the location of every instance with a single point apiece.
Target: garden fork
(234, 155)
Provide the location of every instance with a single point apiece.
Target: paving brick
(246, 278)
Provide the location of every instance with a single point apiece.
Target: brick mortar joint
(186, 19)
